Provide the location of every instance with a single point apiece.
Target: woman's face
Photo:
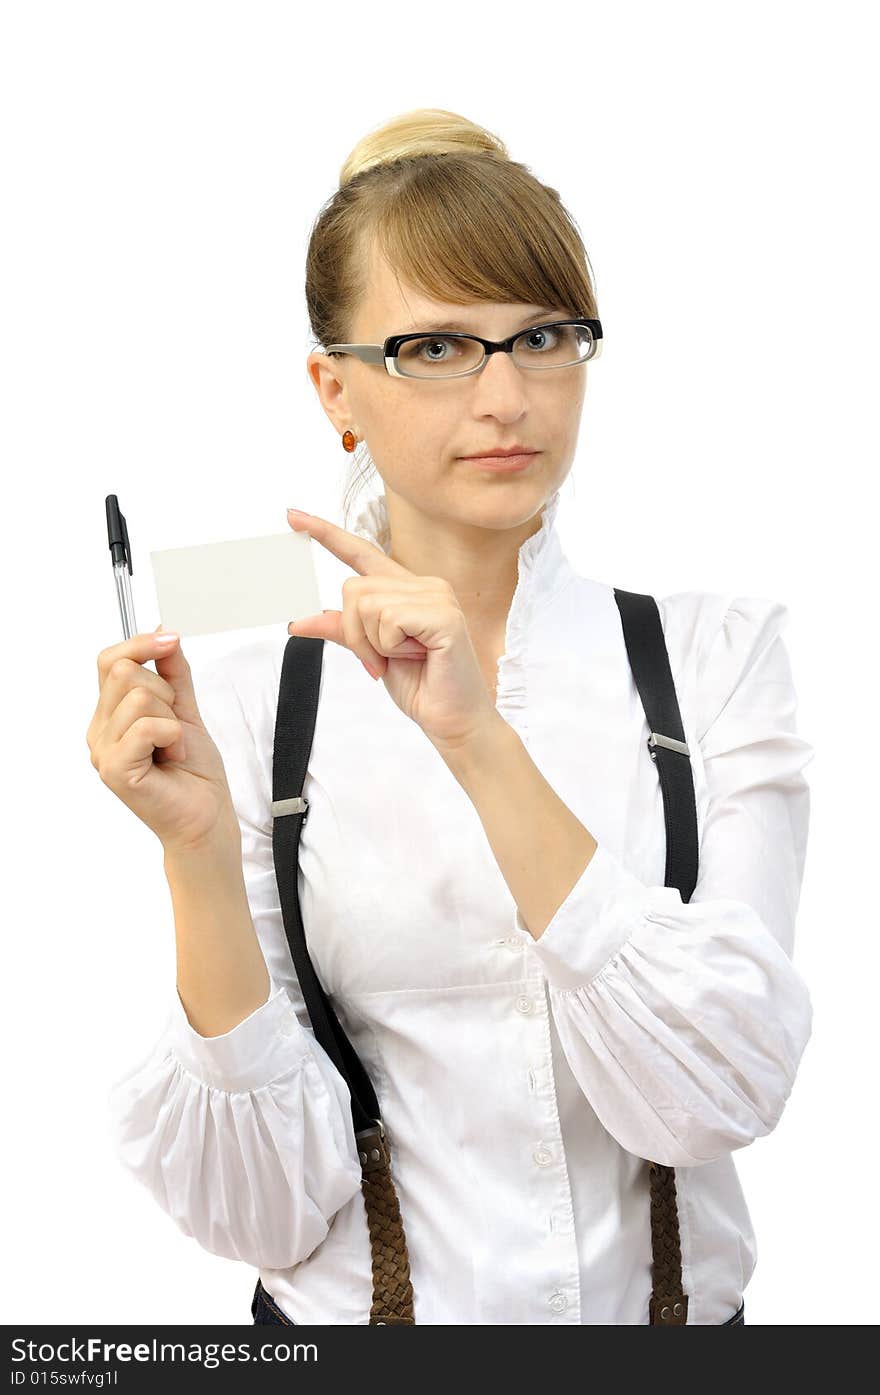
(418, 431)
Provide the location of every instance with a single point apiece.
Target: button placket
(548, 1154)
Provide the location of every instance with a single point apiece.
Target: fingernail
(370, 670)
(167, 639)
(297, 513)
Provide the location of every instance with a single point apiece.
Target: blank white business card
(236, 585)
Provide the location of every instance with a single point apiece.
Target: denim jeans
(264, 1309)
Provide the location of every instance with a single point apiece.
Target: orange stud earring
(349, 440)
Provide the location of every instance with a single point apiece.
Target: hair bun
(424, 131)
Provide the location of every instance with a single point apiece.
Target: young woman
(482, 867)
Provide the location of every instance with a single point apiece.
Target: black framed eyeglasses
(556, 344)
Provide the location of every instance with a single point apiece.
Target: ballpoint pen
(117, 536)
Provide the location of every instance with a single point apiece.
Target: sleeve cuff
(598, 916)
(263, 1046)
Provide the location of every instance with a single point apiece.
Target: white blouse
(522, 1082)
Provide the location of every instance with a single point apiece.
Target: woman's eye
(435, 350)
(540, 338)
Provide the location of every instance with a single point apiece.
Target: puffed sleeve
(684, 1023)
(245, 1139)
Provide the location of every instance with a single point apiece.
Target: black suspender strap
(649, 662)
(294, 733)
(393, 1299)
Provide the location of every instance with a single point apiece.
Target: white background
(162, 165)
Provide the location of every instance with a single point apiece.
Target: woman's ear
(327, 377)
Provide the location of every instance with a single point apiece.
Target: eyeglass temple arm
(367, 353)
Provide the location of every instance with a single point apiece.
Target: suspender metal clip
(296, 805)
(656, 739)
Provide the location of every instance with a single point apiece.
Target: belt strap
(649, 662)
(294, 732)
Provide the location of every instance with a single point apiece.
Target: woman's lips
(502, 462)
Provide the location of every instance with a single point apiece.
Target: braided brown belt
(668, 1305)
(392, 1285)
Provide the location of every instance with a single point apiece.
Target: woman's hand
(410, 629)
(150, 747)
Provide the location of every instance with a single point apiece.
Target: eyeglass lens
(445, 355)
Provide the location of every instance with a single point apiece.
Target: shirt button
(287, 1028)
(542, 1157)
(559, 1302)
(525, 1005)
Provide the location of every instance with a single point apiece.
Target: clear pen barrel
(123, 593)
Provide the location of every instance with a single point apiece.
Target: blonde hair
(454, 216)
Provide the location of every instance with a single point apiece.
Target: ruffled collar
(542, 570)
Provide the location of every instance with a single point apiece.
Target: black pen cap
(117, 533)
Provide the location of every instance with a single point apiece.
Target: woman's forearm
(541, 847)
(221, 973)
